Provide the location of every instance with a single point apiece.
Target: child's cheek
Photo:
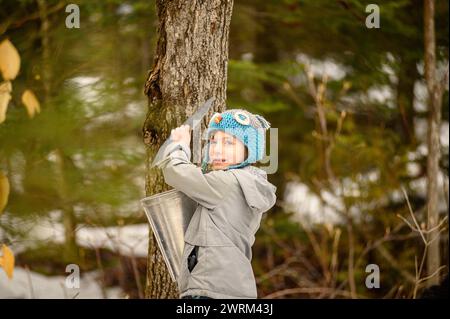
(229, 154)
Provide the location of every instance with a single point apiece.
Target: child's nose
(217, 149)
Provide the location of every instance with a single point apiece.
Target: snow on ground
(129, 240)
(28, 284)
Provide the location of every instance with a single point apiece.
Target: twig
(136, 276)
(445, 186)
(334, 256)
(64, 290)
(102, 271)
(316, 290)
(412, 215)
(36, 15)
(32, 294)
(418, 279)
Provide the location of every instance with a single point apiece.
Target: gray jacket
(231, 204)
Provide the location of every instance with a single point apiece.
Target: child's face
(225, 150)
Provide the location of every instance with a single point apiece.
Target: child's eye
(229, 142)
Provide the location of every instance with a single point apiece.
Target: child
(232, 196)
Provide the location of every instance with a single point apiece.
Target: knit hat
(249, 128)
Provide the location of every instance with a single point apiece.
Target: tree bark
(407, 76)
(189, 67)
(434, 120)
(45, 42)
(69, 220)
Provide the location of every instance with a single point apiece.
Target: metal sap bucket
(169, 214)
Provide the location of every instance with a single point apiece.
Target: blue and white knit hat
(249, 128)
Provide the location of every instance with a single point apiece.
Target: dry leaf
(7, 261)
(4, 191)
(5, 97)
(9, 60)
(31, 103)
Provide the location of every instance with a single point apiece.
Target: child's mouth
(218, 161)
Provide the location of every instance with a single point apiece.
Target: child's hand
(181, 134)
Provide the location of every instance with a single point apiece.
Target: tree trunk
(190, 66)
(45, 42)
(407, 76)
(434, 121)
(69, 219)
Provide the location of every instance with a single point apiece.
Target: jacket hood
(258, 191)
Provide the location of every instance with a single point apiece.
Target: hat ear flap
(213, 117)
(205, 157)
(264, 123)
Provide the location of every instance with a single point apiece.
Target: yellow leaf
(347, 85)
(4, 191)
(9, 60)
(7, 261)
(5, 97)
(31, 103)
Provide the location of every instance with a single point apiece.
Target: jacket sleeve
(206, 189)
